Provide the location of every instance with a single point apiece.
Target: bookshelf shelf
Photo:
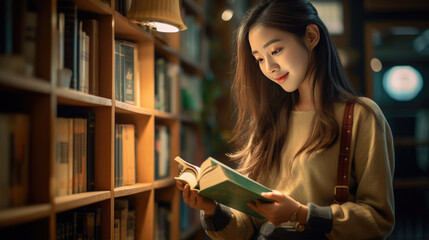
(163, 183)
(21, 82)
(160, 115)
(19, 215)
(124, 29)
(94, 6)
(72, 97)
(61, 143)
(80, 199)
(133, 189)
(121, 107)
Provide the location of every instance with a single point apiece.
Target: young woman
(291, 92)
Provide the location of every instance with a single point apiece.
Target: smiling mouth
(282, 78)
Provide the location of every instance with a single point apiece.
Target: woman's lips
(282, 78)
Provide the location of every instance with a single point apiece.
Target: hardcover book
(223, 184)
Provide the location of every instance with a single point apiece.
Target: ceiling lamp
(161, 15)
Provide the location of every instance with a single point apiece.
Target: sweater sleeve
(371, 214)
(228, 223)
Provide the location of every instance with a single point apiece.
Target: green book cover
(223, 184)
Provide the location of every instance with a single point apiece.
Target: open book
(223, 184)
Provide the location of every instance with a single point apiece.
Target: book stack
(18, 34)
(14, 159)
(84, 223)
(166, 84)
(162, 152)
(78, 49)
(191, 39)
(162, 220)
(191, 98)
(125, 155)
(74, 153)
(124, 71)
(125, 220)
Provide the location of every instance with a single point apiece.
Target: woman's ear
(312, 36)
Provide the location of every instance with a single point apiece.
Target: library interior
(97, 98)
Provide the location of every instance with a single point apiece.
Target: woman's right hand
(196, 201)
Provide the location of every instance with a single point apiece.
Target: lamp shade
(163, 15)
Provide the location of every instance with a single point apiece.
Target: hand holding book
(196, 201)
(218, 182)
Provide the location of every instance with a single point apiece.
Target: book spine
(19, 159)
(70, 39)
(91, 27)
(91, 152)
(4, 160)
(117, 71)
(128, 71)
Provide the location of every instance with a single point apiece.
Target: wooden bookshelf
(39, 97)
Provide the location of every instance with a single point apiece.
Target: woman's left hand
(279, 211)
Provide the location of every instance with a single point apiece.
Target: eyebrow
(268, 44)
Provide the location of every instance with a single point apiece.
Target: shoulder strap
(342, 189)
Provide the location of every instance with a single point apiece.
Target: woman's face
(280, 56)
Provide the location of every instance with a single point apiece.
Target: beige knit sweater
(369, 214)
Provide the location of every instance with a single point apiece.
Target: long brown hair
(263, 107)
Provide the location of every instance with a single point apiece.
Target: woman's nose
(271, 66)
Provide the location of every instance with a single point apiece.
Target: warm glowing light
(403, 83)
(376, 65)
(227, 15)
(164, 27)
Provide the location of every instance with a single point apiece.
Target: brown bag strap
(342, 189)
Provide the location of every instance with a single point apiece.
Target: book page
(188, 177)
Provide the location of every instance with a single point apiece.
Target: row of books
(125, 71)
(166, 84)
(82, 223)
(162, 152)
(168, 78)
(125, 155)
(191, 97)
(78, 49)
(124, 226)
(74, 154)
(18, 33)
(191, 43)
(14, 159)
(162, 220)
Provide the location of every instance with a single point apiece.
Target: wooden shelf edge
(166, 115)
(23, 82)
(133, 189)
(162, 183)
(65, 203)
(95, 6)
(73, 97)
(19, 215)
(124, 28)
(123, 107)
